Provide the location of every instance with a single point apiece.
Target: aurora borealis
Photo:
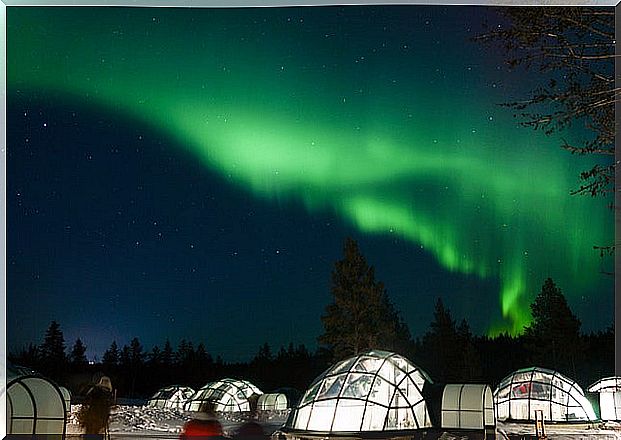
(383, 118)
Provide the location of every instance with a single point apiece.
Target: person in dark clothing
(251, 429)
(94, 414)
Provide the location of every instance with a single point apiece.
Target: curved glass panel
(609, 389)
(35, 406)
(373, 391)
(173, 396)
(525, 391)
(227, 395)
(268, 402)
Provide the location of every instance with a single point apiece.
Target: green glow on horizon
(474, 198)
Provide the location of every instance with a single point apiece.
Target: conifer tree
(136, 354)
(554, 334)
(125, 357)
(111, 356)
(167, 354)
(53, 357)
(203, 358)
(361, 316)
(155, 357)
(53, 347)
(78, 354)
(442, 345)
(185, 353)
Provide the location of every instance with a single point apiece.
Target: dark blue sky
(118, 229)
(115, 234)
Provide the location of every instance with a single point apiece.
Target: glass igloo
(527, 390)
(35, 406)
(272, 402)
(374, 391)
(609, 390)
(226, 395)
(173, 396)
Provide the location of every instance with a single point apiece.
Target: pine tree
(111, 356)
(471, 360)
(78, 354)
(167, 354)
(125, 358)
(155, 357)
(136, 354)
(361, 316)
(264, 353)
(442, 346)
(53, 357)
(554, 334)
(185, 353)
(203, 358)
(52, 351)
(53, 348)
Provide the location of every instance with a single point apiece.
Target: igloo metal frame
(238, 390)
(164, 397)
(519, 386)
(609, 389)
(27, 382)
(322, 392)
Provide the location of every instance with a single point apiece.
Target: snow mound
(146, 418)
(150, 420)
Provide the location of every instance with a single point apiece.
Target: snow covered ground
(133, 422)
(559, 431)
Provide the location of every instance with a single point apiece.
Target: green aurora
(393, 132)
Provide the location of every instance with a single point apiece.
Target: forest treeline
(361, 317)
(448, 353)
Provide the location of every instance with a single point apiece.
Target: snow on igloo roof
(227, 394)
(170, 391)
(606, 385)
(374, 391)
(529, 389)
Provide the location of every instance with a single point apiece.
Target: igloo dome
(374, 391)
(173, 396)
(226, 395)
(525, 391)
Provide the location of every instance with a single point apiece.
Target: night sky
(193, 173)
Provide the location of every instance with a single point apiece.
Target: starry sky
(192, 173)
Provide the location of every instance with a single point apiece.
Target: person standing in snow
(94, 414)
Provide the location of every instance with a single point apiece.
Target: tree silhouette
(575, 47)
(167, 354)
(77, 357)
(471, 359)
(111, 356)
(53, 347)
(134, 354)
(29, 356)
(554, 334)
(155, 356)
(185, 353)
(52, 352)
(361, 316)
(442, 347)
